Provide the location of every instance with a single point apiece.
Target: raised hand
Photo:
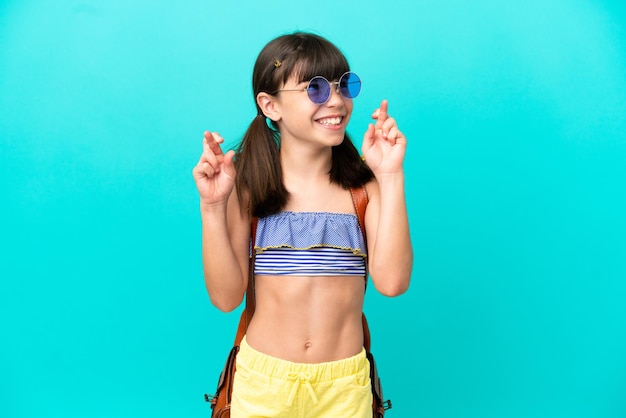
(215, 172)
(384, 145)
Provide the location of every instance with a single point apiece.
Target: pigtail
(348, 168)
(259, 172)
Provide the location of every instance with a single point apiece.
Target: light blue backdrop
(516, 167)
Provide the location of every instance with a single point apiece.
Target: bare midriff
(308, 319)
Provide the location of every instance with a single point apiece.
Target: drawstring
(300, 378)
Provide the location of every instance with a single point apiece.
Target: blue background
(516, 166)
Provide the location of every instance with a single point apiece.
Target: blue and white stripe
(321, 261)
(309, 244)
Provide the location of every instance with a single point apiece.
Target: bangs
(331, 68)
(315, 57)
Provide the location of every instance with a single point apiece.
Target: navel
(307, 345)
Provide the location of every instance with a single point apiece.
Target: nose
(336, 97)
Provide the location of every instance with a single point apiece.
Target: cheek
(300, 105)
(349, 106)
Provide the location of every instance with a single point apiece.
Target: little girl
(303, 352)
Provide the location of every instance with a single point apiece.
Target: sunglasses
(319, 89)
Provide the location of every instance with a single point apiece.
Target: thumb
(368, 137)
(229, 164)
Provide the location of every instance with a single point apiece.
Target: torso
(310, 318)
(307, 319)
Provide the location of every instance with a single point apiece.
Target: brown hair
(257, 160)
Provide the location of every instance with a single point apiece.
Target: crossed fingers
(212, 156)
(385, 125)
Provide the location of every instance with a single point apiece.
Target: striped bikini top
(309, 244)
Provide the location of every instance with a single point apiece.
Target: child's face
(302, 119)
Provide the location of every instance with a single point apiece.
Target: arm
(386, 219)
(225, 228)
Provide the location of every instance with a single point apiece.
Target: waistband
(315, 372)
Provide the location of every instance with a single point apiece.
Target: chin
(337, 140)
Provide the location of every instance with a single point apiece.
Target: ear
(267, 103)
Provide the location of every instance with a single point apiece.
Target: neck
(305, 164)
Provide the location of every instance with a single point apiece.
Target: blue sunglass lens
(318, 90)
(350, 85)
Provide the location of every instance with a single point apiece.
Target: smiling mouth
(331, 121)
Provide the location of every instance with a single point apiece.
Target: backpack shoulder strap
(360, 199)
(250, 296)
(246, 315)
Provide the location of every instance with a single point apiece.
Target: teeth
(330, 121)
